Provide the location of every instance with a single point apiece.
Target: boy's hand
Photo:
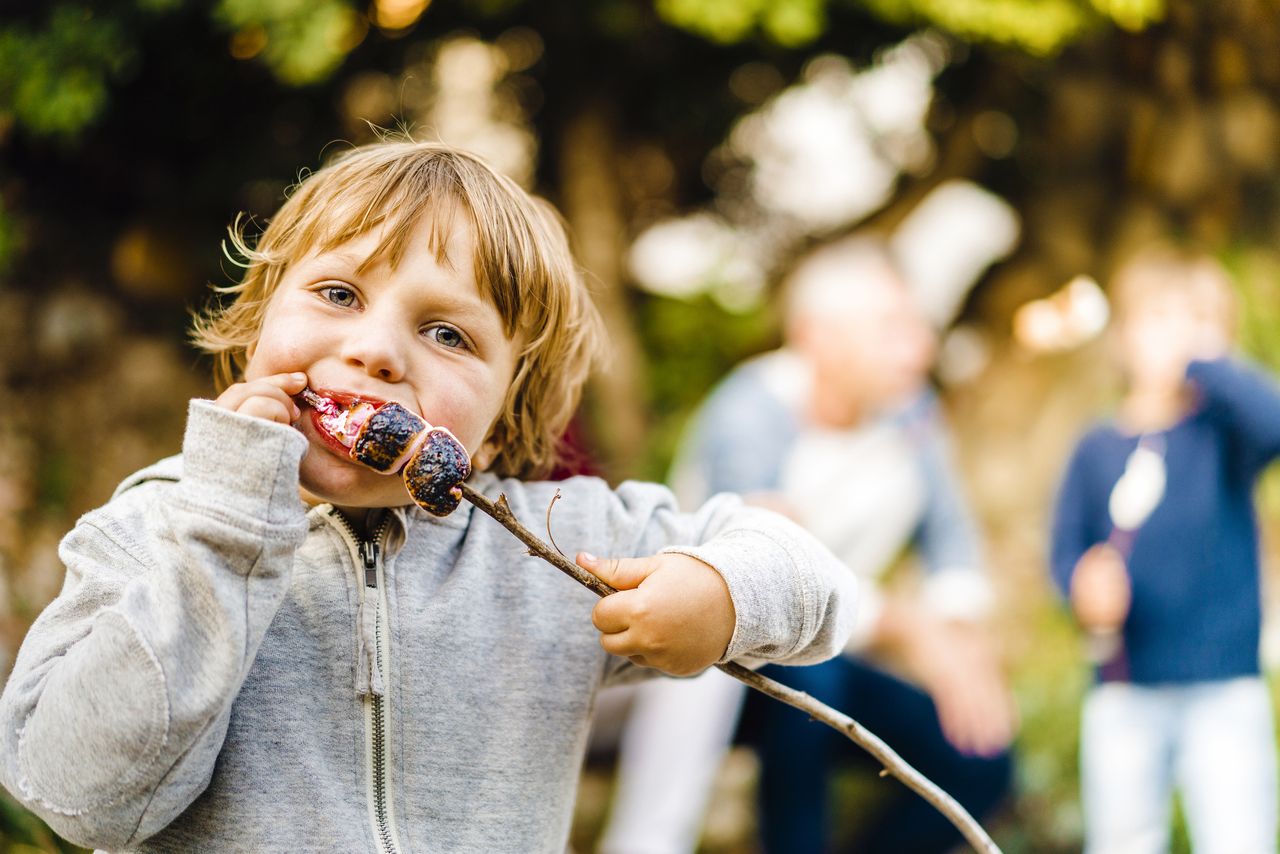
(1100, 589)
(963, 676)
(957, 664)
(266, 397)
(671, 611)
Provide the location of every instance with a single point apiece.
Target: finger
(613, 613)
(233, 396)
(951, 718)
(621, 644)
(269, 409)
(967, 730)
(276, 386)
(988, 736)
(619, 573)
(275, 394)
(987, 716)
(291, 383)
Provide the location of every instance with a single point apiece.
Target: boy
(1155, 541)
(226, 669)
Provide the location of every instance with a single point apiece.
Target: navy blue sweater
(1194, 565)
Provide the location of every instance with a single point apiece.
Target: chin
(353, 495)
(347, 484)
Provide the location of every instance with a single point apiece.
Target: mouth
(338, 416)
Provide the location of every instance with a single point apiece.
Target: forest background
(1017, 150)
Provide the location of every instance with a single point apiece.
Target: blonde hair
(1164, 269)
(522, 263)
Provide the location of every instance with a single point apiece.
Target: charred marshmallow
(389, 438)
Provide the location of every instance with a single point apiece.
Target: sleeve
(737, 443)
(793, 599)
(121, 694)
(1071, 534)
(1245, 402)
(957, 584)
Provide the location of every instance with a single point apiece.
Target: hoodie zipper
(368, 554)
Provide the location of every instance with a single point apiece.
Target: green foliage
(1039, 27)
(54, 80)
(1049, 678)
(1131, 14)
(23, 833)
(56, 75)
(790, 23)
(1258, 290)
(1257, 277)
(691, 345)
(302, 41)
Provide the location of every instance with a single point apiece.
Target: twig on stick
(551, 536)
(893, 764)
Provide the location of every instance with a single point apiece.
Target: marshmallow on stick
(391, 439)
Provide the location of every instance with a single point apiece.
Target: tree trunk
(591, 201)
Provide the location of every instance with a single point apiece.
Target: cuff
(244, 464)
(866, 618)
(763, 625)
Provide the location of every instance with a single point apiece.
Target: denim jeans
(1214, 741)
(799, 756)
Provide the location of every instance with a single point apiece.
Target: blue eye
(446, 336)
(339, 295)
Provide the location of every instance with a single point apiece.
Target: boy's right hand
(1100, 589)
(957, 665)
(266, 397)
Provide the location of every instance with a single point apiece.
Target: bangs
(349, 200)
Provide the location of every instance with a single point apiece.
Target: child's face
(1159, 337)
(420, 334)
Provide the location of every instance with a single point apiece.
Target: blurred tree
(1039, 26)
(198, 85)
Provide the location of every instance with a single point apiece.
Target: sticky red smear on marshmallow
(339, 422)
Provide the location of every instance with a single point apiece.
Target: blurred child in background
(1155, 545)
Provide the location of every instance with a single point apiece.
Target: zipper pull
(368, 676)
(368, 551)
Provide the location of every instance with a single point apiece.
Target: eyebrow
(469, 304)
(345, 256)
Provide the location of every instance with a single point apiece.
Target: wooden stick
(893, 764)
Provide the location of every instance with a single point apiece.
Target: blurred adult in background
(1155, 545)
(838, 430)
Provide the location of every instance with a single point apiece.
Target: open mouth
(392, 439)
(338, 416)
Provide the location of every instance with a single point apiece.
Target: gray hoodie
(228, 670)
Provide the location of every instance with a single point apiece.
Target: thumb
(618, 572)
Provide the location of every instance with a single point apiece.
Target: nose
(374, 346)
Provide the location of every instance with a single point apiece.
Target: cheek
(274, 353)
(467, 409)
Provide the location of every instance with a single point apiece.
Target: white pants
(1213, 740)
(676, 735)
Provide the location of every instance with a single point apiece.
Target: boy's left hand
(671, 611)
